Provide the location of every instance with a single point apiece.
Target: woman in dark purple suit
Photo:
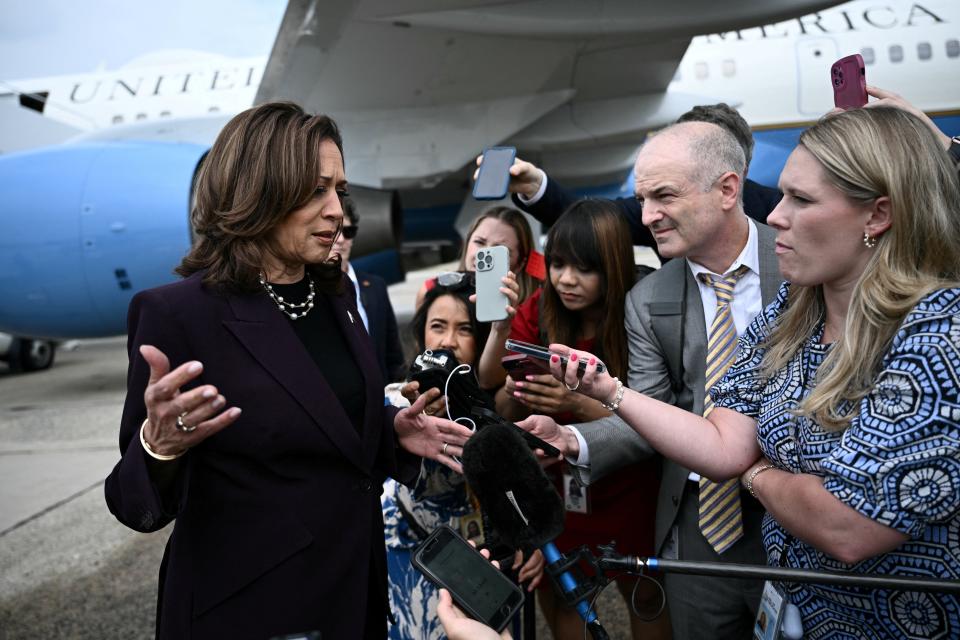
(254, 415)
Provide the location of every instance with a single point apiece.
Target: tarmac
(68, 568)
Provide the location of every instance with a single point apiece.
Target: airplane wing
(419, 87)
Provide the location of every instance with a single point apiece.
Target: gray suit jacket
(667, 362)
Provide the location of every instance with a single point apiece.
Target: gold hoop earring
(869, 241)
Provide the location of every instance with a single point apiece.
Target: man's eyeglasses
(454, 278)
(349, 232)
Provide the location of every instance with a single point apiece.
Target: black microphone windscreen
(502, 470)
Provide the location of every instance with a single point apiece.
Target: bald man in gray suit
(688, 179)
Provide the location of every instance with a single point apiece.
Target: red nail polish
(573, 357)
(592, 361)
(554, 359)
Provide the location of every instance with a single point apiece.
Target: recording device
(439, 369)
(491, 266)
(525, 509)
(479, 588)
(849, 78)
(494, 175)
(518, 366)
(542, 353)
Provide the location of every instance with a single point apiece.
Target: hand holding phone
(479, 588)
(519, 366)
(849, 79)
(542, 353)
(492, 265)
(494, 176)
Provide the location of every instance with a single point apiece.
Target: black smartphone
(484, 594)
(494, 176)
(542, 353)
(519, 366)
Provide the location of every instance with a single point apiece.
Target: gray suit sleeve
(611, 442)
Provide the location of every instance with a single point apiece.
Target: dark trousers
(710, 607)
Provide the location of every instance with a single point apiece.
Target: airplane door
(814, 57)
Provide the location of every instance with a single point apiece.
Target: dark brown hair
(263, 165)
(593, 236)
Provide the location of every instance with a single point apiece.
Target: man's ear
(880, 218)
(730, 185)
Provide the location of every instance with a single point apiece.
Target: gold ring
(443, 449)
(186, 428)
(574, 387)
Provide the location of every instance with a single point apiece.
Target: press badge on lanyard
(770, 615)
(576, 499)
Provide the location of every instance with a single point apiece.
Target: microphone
(520, 502)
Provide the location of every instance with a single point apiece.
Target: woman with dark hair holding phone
(264, 321)
(446, 320)
(590, 269)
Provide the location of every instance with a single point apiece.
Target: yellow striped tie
(721, 520)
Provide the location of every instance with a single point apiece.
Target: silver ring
(186, 428)
(443, 449)
(573, 388)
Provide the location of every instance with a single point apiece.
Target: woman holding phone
(590, 269)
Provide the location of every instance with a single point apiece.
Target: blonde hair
(868, 154)
(516, 221)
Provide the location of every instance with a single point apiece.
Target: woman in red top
(591, 268)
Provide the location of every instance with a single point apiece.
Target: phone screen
(471, 579)
(494, 173)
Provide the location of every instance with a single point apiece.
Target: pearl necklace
(288, 308)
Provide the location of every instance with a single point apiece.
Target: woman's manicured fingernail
(517, 394)
(518, 384)
(195, 367)
(554, 359)
(573, 357)
(592, 361)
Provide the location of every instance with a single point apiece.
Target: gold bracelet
(153, 454)
(756, 472)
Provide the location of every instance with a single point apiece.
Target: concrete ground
(67, 568)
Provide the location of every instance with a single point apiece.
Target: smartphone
(542, 353)
(849, 78)
(494, 173)
(484, 594)
(492, 265)
(519, 366)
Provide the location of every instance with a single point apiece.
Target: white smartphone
(492, 265)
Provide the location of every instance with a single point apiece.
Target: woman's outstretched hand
(178, 420)
(599, 386)
(431, 437)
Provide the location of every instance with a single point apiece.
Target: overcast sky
(53, 37)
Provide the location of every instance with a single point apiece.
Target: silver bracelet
(756, 472)
(617, 398)
(153, 454)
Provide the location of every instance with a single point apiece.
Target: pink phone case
(849, 79)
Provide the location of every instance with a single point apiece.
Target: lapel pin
(350, 315)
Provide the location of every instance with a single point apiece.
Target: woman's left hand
(599, 386)
(531, 570)
(431, 437)
(546, 395)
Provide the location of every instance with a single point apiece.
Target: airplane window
(213, 110)
(868, 56)
(164, 114)
(701, 71)
(896, 53)
(141, 116)
(953, 48)
(729, 68)
(924, 50)
(117, 120)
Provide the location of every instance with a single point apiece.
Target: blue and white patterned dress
(898, 463)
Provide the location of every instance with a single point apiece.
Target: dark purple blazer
(278, 526)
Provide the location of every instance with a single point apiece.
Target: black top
(320, 333)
